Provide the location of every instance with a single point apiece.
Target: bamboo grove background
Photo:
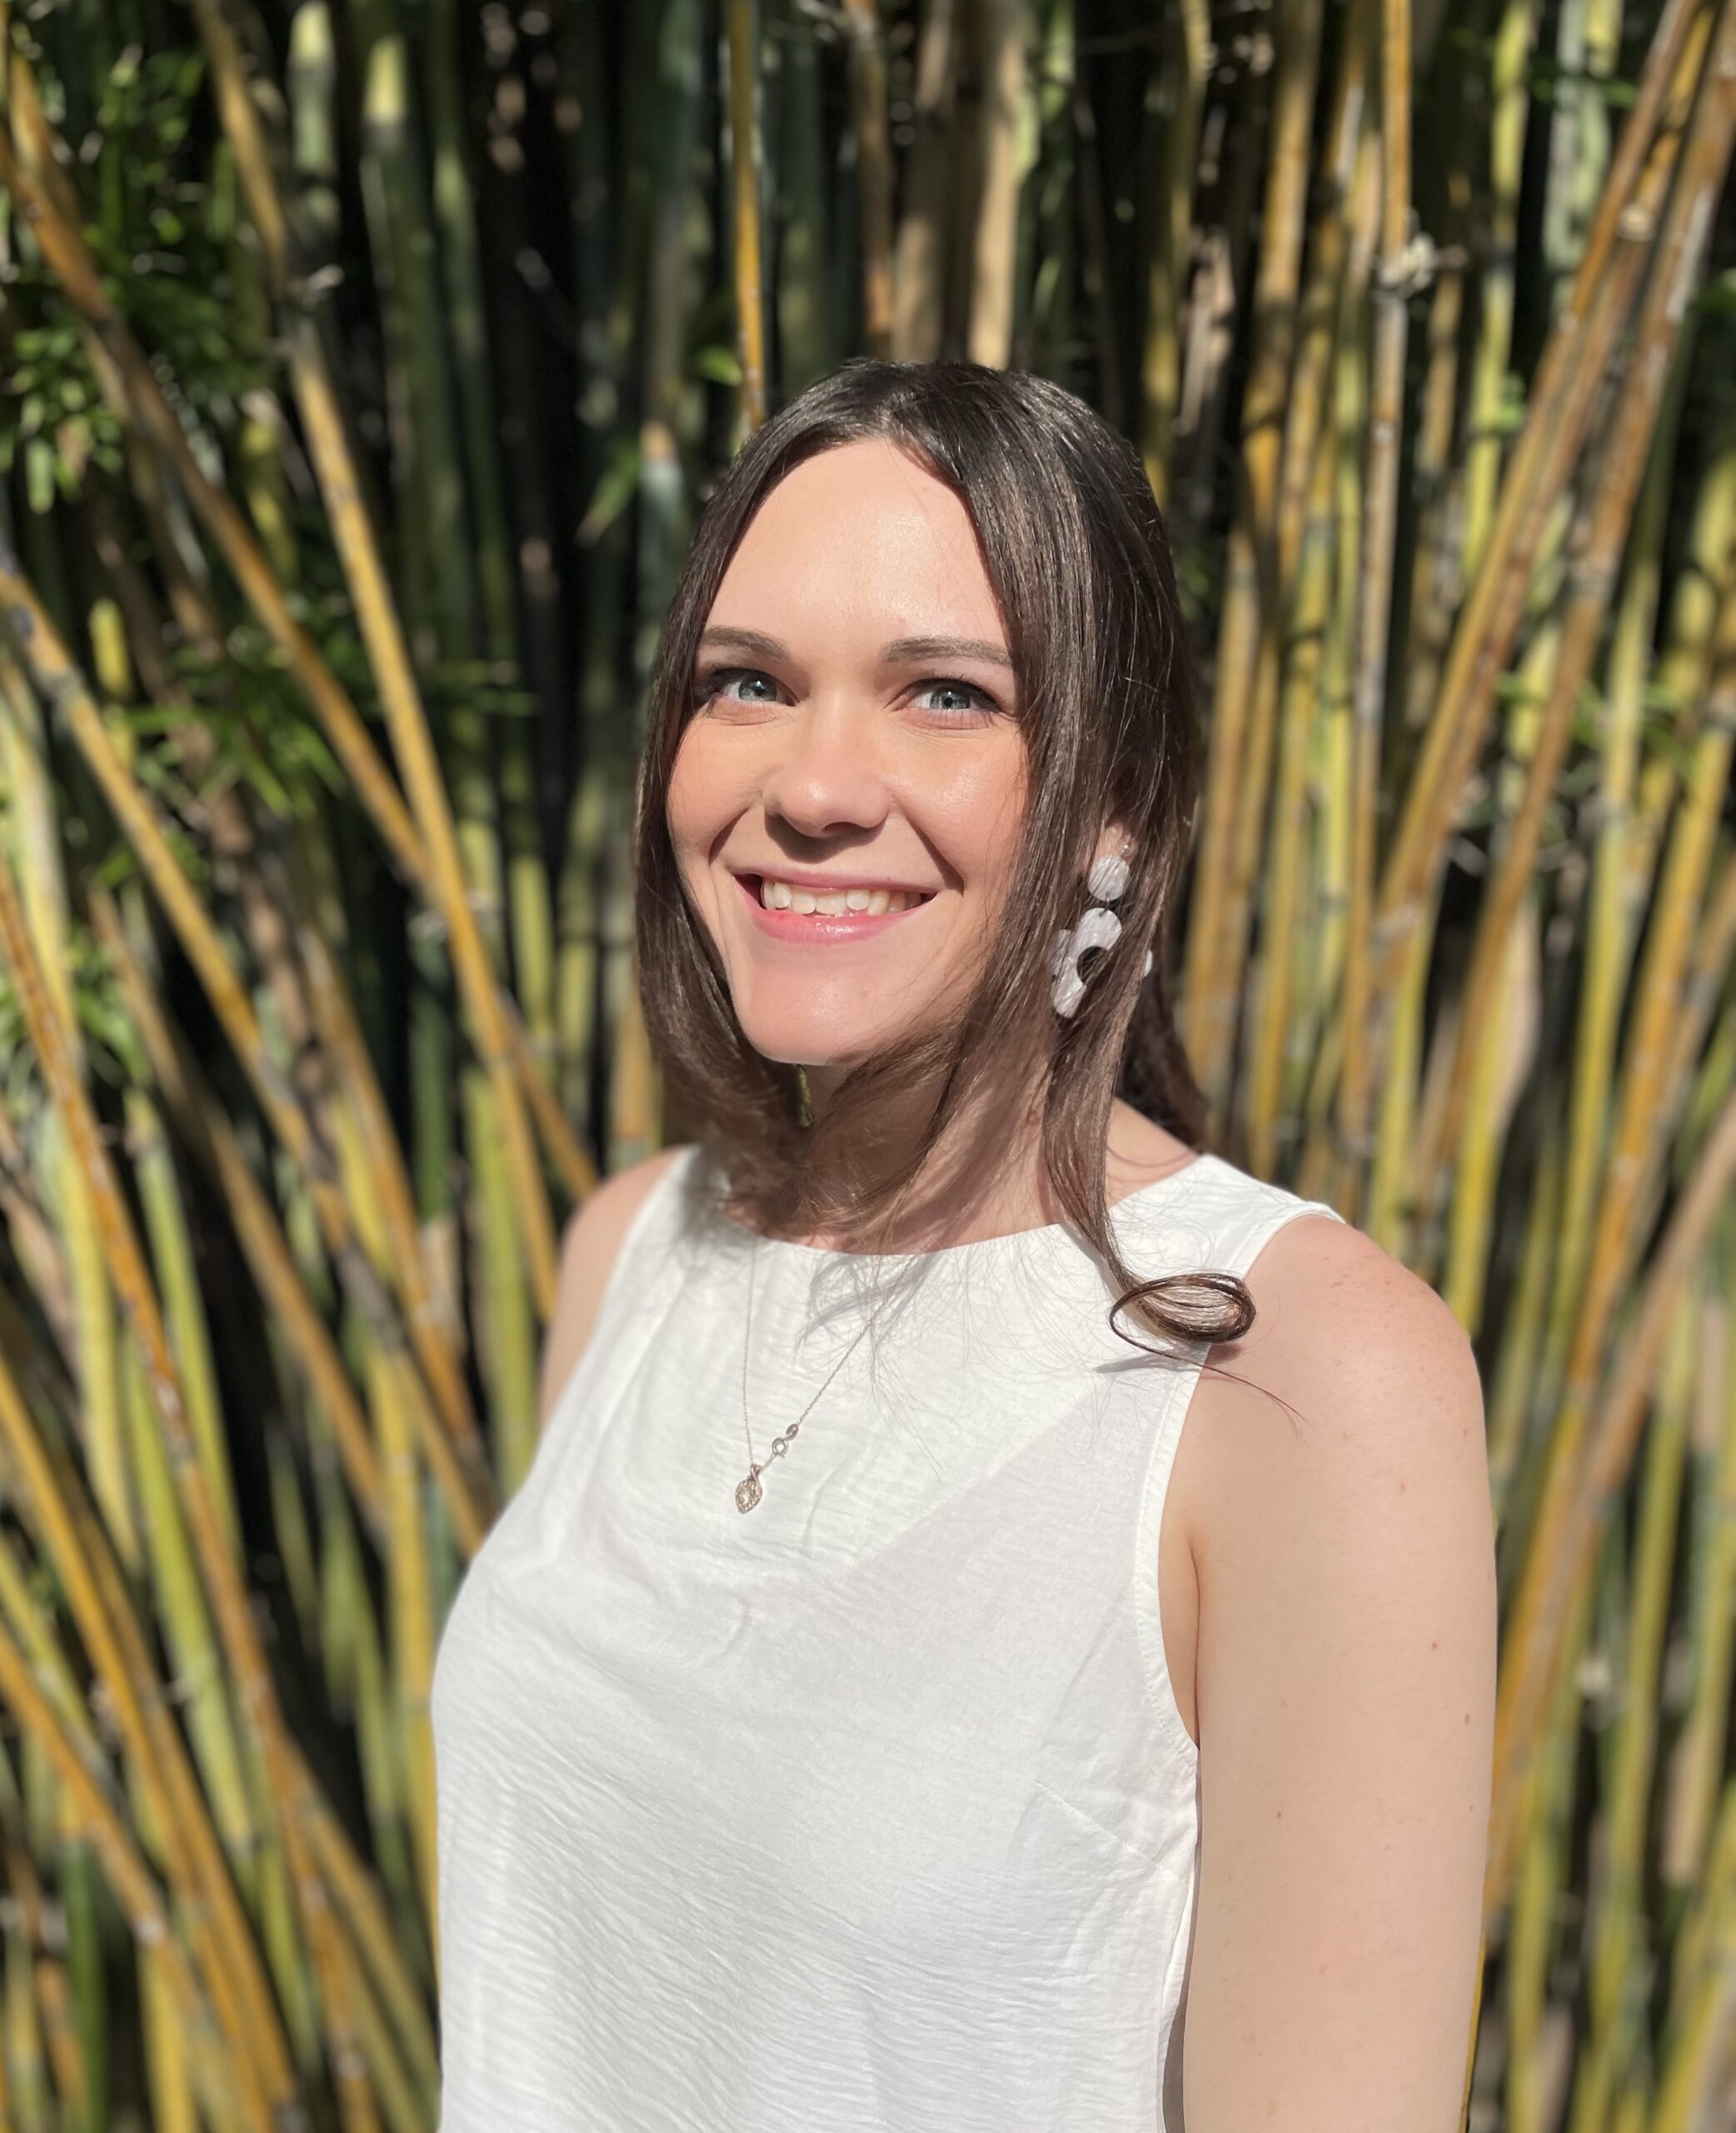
(365, 363)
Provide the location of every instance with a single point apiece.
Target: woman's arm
(589, 1245)
(1346, 1679)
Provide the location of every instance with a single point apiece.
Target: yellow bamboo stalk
(431, 866)
(1615, 1924)
(357, 1898)
(178, 1811)
(411, 1627)
(225, 1587)
(1625, 856)
(873, 170)
(23, 756)
(171, 2057)
(1547, 448)
(1681, 251)
(59, 678)
(1640, 1124)
(207, 1131)
(1696, 1769)
(742, 32)
(1003, 156)
(1283, 936)
(1563, 1546)
(1380, 513)
(1510, 110)
(1321, 312)
(1244, 695)
(133, 1882)
(440, 1335)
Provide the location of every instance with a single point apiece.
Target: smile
(795, 911)
(793, 895)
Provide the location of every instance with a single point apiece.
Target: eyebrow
(899, 651)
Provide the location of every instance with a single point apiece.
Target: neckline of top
(1158, 1188)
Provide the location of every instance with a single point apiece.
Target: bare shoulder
(1345, 1690)
(1353, 1368)
(590, 1245)
(1338, 1316)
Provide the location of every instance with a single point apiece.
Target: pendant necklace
(748, 1489)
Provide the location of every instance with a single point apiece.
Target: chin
(795, 1046)
(806, 1040)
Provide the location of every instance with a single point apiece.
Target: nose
(824, 778)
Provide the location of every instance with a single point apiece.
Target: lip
(818, 928)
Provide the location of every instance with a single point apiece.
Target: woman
(877, 1709)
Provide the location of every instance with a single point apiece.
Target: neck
(985, 1177)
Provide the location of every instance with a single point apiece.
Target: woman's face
(846, 800)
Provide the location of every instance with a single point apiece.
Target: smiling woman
(1068, 1697)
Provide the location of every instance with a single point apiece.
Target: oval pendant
(748, 1493)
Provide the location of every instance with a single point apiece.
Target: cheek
(698, 807)
(978, 815)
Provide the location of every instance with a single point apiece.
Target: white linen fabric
(870, 1809)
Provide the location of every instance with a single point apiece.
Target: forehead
(858, 540)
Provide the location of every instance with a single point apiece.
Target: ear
(1107, 877)
(1115, 840)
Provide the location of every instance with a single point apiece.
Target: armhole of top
(609, 1306)
(1181, 1387)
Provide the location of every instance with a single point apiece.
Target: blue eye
(714, 683)
(720, 682)
(959, 712)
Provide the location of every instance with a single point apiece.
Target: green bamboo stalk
(1558, 1564)
(291, 1785)
(199, 1685)
(1511, 111)
(1188, 35)
(130, 1878)
(1245, 694)
(1681, 250)
(23, 764)
(137, 817)
(206, 1130)
(1616, 1926)
(436, 872)
(1546, 450)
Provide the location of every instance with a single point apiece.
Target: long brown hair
(1076, 552)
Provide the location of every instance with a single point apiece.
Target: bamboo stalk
(208, 1132)
(59, 677)
(1547, 447)
(742, 46)
(432, 866)
(1555, 1574)
(1386, 415)
(1244, 693)
(177, 1809)
(1168, 276)
(228, 1597)
(1681, 251)
(874, 169)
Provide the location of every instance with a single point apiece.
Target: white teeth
(784, 895)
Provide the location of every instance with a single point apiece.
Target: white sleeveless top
(870, 1810)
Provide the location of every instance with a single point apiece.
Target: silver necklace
(748, 1489)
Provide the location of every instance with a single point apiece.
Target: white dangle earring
(1099, 927)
